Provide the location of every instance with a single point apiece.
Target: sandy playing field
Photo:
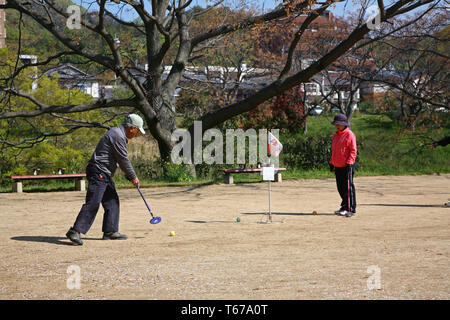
(396, 247)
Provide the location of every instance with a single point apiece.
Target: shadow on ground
(212, 221)
(402, 205)
(47, 239)
(292, 213)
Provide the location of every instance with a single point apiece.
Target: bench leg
(227, 178)
(80, 185)
(278, 177)
(17, 186)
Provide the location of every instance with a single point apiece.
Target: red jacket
(343, 148)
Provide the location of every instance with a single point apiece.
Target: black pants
(346, 188)
(101, 189)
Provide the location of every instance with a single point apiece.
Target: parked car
(441, 110)
(335, 110)
(317, 110)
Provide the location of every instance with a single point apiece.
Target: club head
(155, 220)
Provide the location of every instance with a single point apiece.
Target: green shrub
(176, 172)
(148, 169)
(306, 151)
(208, 172)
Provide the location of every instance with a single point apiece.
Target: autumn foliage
(284, 111)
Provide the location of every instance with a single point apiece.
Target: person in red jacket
(342, 162)
(443, 142)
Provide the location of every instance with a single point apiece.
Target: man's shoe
(447, 204)
(74, 236)
(114, 236)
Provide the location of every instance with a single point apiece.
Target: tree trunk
(411, 122)
(163, 125)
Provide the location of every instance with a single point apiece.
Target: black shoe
(114, 236)
(74, 236)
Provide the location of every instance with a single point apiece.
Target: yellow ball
(172, 233)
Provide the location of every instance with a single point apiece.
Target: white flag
(274, 145)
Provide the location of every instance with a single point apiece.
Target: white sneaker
(343, 212)
(350, 214)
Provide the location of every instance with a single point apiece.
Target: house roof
(69, 72)
(387, 74)
(325, 21)
(247, 82)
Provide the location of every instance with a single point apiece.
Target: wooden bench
(228, 173)
(80, 184)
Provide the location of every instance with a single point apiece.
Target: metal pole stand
(270, 193)
(269, 215)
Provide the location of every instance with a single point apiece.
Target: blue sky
(339, 9)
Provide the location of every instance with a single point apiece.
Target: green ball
(238, 219)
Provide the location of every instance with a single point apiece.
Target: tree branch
(37, 64)
(214, 118)
(311, 17)
(248, 22)
(125, 23)
(381, 7)
(27, 9)
(183, 53)
(45, 109)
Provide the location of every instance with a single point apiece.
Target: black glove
(331, 167)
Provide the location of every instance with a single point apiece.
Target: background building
(70, 77)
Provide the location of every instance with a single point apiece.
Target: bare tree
(413, 67)
(165, 26)
(340, 85)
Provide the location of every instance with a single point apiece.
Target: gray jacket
(111, 152)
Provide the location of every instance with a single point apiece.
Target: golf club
(153, 220)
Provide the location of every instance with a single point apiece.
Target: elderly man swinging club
(110, 153)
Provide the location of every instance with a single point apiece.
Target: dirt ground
(396, 247)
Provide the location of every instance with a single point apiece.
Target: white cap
(136, 121)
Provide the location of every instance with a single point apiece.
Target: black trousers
(346, 188)
(101, 190)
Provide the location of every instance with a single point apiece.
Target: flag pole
(270, 190)
(277, 149)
